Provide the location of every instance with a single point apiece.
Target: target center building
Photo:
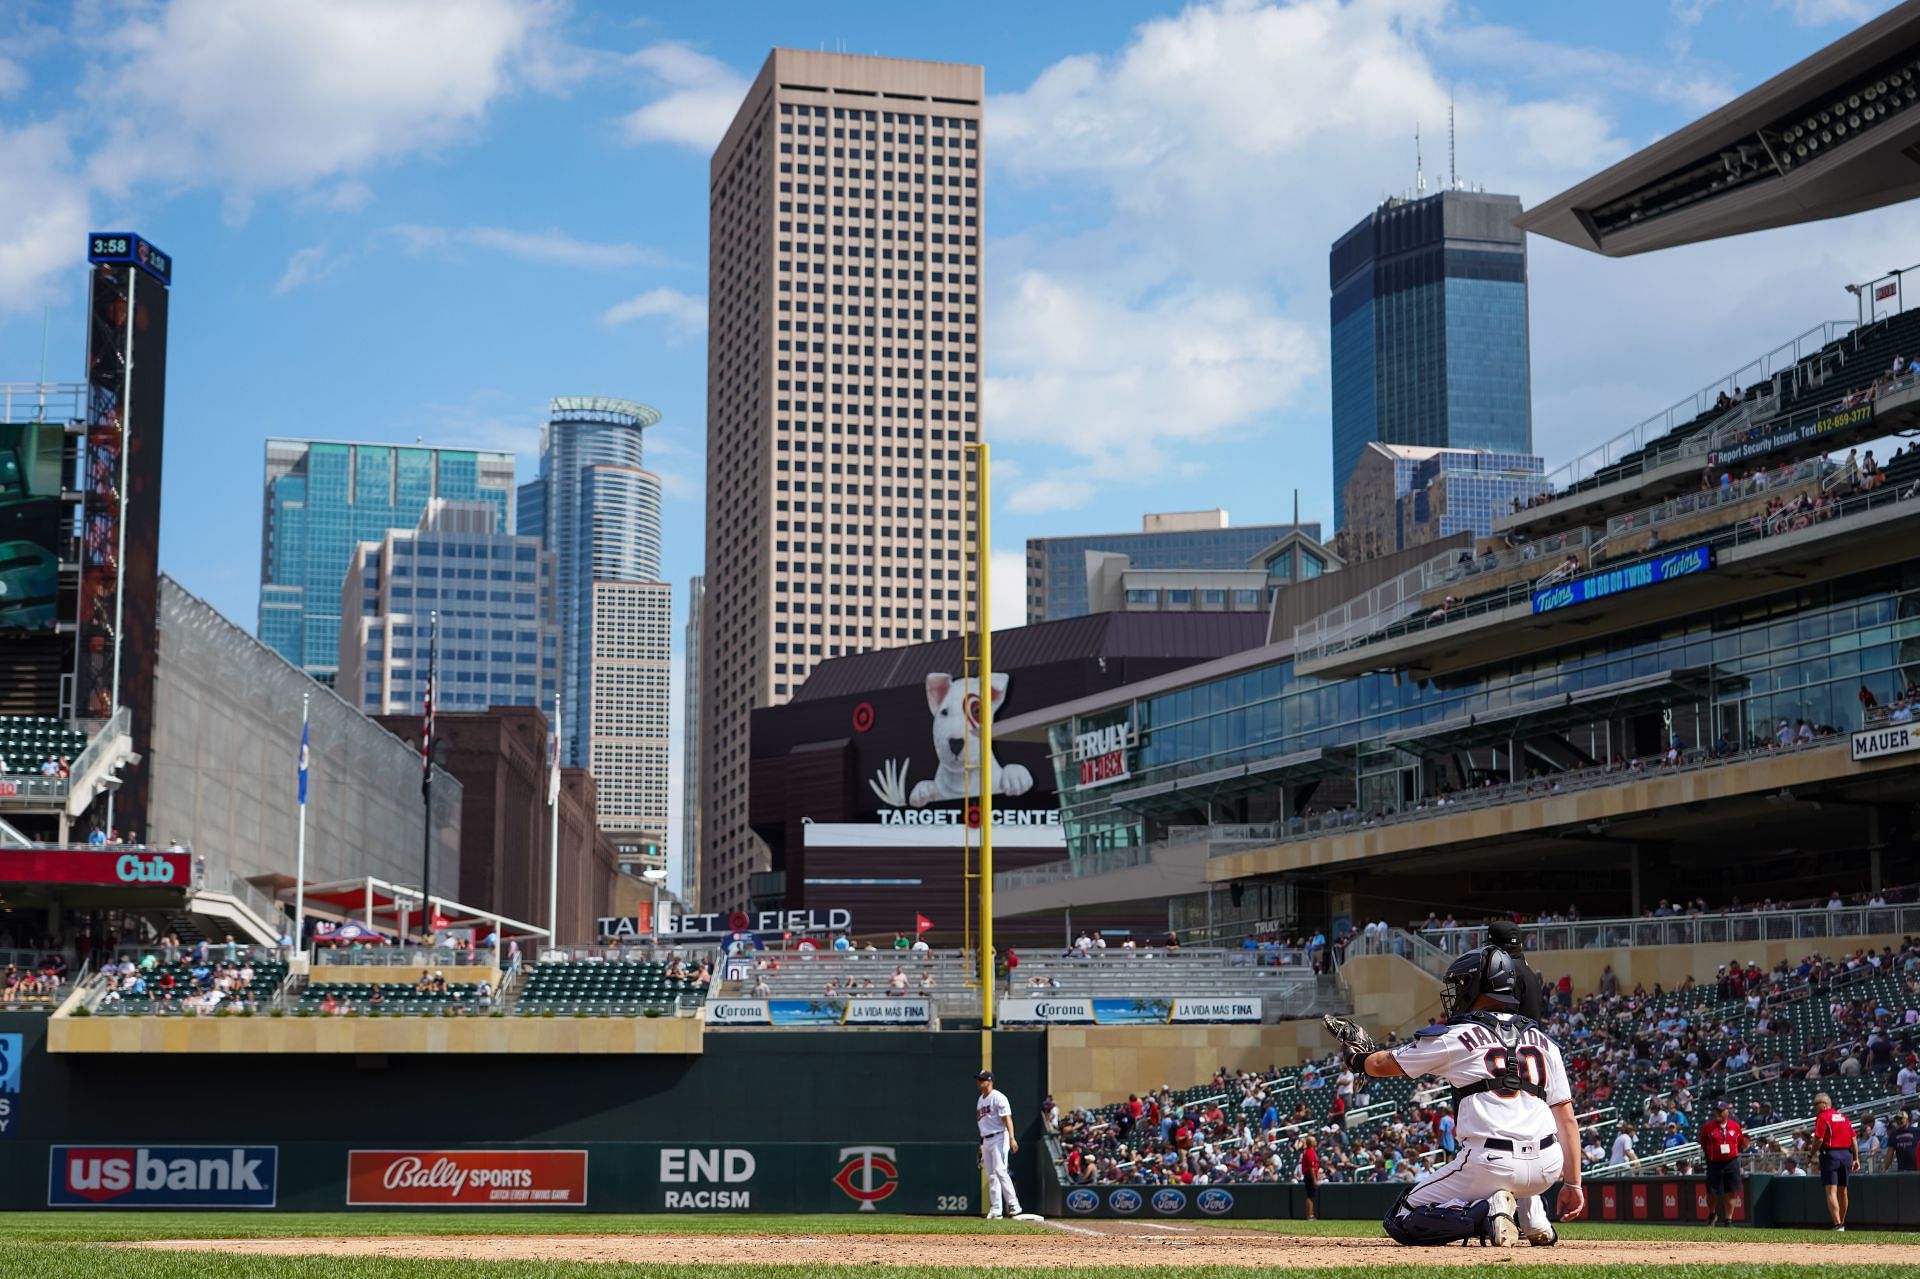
(859, 783)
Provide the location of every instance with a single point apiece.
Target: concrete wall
(1097, 1065)
(358, 1035)
(226, 737)
(1391, 993)
(1671, 965)
(385, 974)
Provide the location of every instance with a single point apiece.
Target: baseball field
(441, 1246)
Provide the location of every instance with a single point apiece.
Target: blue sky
(400, 218)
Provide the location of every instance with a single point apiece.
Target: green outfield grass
(97, 1227)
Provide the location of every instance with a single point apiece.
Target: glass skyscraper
(599, 514)
(323, 499)
(1429, 330)
(499, 643)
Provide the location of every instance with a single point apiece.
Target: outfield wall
(794, 1100)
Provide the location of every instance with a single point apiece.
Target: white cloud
(1117, 381)
(702, 95)
(548, 248)
(13, 77)
(44, 213)
(347, 196)
(684, 315)
(1008, 588)
(304, 267)
(1818, 13)
(1054, 493)
(256, 97)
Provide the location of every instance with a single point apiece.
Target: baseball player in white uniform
(995, 1118)
(1515, 1119)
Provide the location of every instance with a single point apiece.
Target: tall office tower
(493, 591)
(1429, 315)
(690, 754)
(1198, 540)
(843, 381)
(322, 500)
(599, 512)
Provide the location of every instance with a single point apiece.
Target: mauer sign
(95, 866)
(467, 1178)
(1894, 739)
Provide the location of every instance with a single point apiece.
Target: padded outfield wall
(775, 1121)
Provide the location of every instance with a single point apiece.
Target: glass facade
(1428, 316)
(499, 644)
(1798, 654)
(601, 520)
(322, 500)
(1057, 566)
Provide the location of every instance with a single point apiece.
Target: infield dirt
(1101, 1244)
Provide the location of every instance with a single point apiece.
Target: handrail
(1723, 494)
(1638, 436)
(1740, 532)
(43, 401)
(1809, 924)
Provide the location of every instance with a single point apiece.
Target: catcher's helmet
(1488, 971)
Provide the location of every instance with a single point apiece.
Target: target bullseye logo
(863, 717)
(738, 921)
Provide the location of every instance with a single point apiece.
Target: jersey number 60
(1533, 1068)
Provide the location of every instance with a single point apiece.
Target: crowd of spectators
(49, 766)
(1648, 1060)
(32, 983)
(204, 988)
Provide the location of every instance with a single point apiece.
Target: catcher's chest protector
(1508, 1080)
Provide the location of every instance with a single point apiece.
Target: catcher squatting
(1514, 1107)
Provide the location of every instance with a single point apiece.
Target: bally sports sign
(467, 1178)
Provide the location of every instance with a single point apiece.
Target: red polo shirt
(1722, 1142)
(1833, 1130)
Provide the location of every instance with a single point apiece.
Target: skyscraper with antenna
(1428, 309)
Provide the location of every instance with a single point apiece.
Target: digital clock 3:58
(124, 246)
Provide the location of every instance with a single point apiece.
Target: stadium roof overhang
(1836, 133)
(384, 907)
(1181, 794)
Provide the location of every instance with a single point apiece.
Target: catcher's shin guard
(1430, 1227)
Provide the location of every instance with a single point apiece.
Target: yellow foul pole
(983, 559)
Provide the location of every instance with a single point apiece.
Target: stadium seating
(393, 999)
(619, 989)
(26, 740)
(1626, 1058)
(267, 977)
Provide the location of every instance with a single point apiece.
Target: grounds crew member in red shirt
(1310, 1175)
(1722, 1140)
(1839, 1150)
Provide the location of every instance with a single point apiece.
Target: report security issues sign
(1614, 581)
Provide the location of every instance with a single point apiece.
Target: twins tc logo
(867, 1174)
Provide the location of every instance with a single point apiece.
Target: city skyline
(407, 271)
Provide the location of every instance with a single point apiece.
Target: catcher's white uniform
(1507, 1139)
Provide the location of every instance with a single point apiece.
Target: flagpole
(300, 853)
(426, 788)
(553, 837)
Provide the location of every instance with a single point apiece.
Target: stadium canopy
(391, 908)
(1179, 794)
(1836, 133)
(1556, 713)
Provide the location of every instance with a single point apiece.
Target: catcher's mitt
(1357, 1044)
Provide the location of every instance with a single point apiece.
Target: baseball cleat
(1543, 1238)
(993, 1216)
(1501, 1232)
